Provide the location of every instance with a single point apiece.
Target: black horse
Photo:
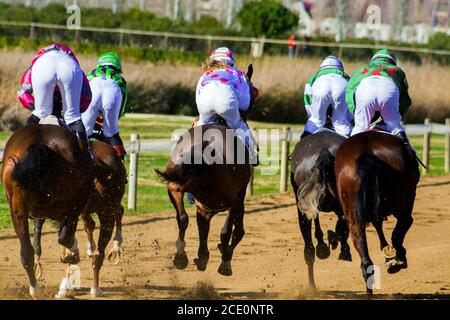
(314, 185)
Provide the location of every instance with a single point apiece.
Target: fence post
(426, 147)
(133, 174)
(31, 30)
(121, 38)
(447, 145)
(284, 159)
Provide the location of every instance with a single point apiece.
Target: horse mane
(37, 170)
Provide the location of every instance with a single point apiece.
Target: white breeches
(56, 68)
(221, 99)
(329, 90)
(377, 93)
(107, 99)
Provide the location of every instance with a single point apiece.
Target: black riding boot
(33, 120)
(80, 131)
(304, 134)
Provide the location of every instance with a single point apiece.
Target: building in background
(399, 20)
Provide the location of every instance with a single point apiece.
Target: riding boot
(80, 131)
(116, 142)
(120, 150)
(190, 198)
(304, 134)
(33, 120)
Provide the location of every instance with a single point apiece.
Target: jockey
(323, 89)
(224, 90)
(55, 72)
(109, 97)
(380, 86)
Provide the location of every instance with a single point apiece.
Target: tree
(266, 17)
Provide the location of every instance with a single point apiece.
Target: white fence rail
(257, 44)
(288, 136)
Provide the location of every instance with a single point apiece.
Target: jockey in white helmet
(323, 89)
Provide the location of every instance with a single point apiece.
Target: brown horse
(207, 162)
(105, 200)
(46, 175)
(377, 175)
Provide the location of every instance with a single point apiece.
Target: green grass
(152, 194)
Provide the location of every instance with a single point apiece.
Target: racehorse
(46, 175)
(314, 186)
(217, 184)
(377, 175)
(105, 200)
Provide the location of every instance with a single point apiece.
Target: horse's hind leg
(114, 254)
(358, 233)
(387, 251)
(106, 229)
(342, 234)
(322, 249)
(89, 227)
(203, 223)
(404, 222)
(176, 197)
(20, 223)
(38, 224)
(309, 251)
(236, 218)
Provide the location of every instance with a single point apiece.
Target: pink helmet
(223, 54)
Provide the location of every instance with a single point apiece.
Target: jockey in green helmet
(109, 97)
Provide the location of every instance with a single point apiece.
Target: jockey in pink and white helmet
(224, 90)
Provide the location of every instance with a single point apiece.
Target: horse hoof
(225, 268)
(96, 292)
(201, 263)
(65, 294)
(395, 265)
(37, 270)
(389, 252)
(71, 258)
(345, 256)
(114, 256)
(181, 260)
(322, 251)
(36, 293)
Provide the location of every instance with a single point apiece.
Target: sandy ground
(268, 263)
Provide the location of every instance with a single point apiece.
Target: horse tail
(368, 201)
(181, 173)
(36, 171)
(321, 180)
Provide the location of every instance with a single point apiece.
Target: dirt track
(268, 263)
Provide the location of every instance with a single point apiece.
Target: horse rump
(185, 168)
(320, 181)
(37, 170)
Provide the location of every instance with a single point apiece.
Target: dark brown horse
(46, 175)
(314, 186)
(105, 200)
(377, 175)
(218, 183)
